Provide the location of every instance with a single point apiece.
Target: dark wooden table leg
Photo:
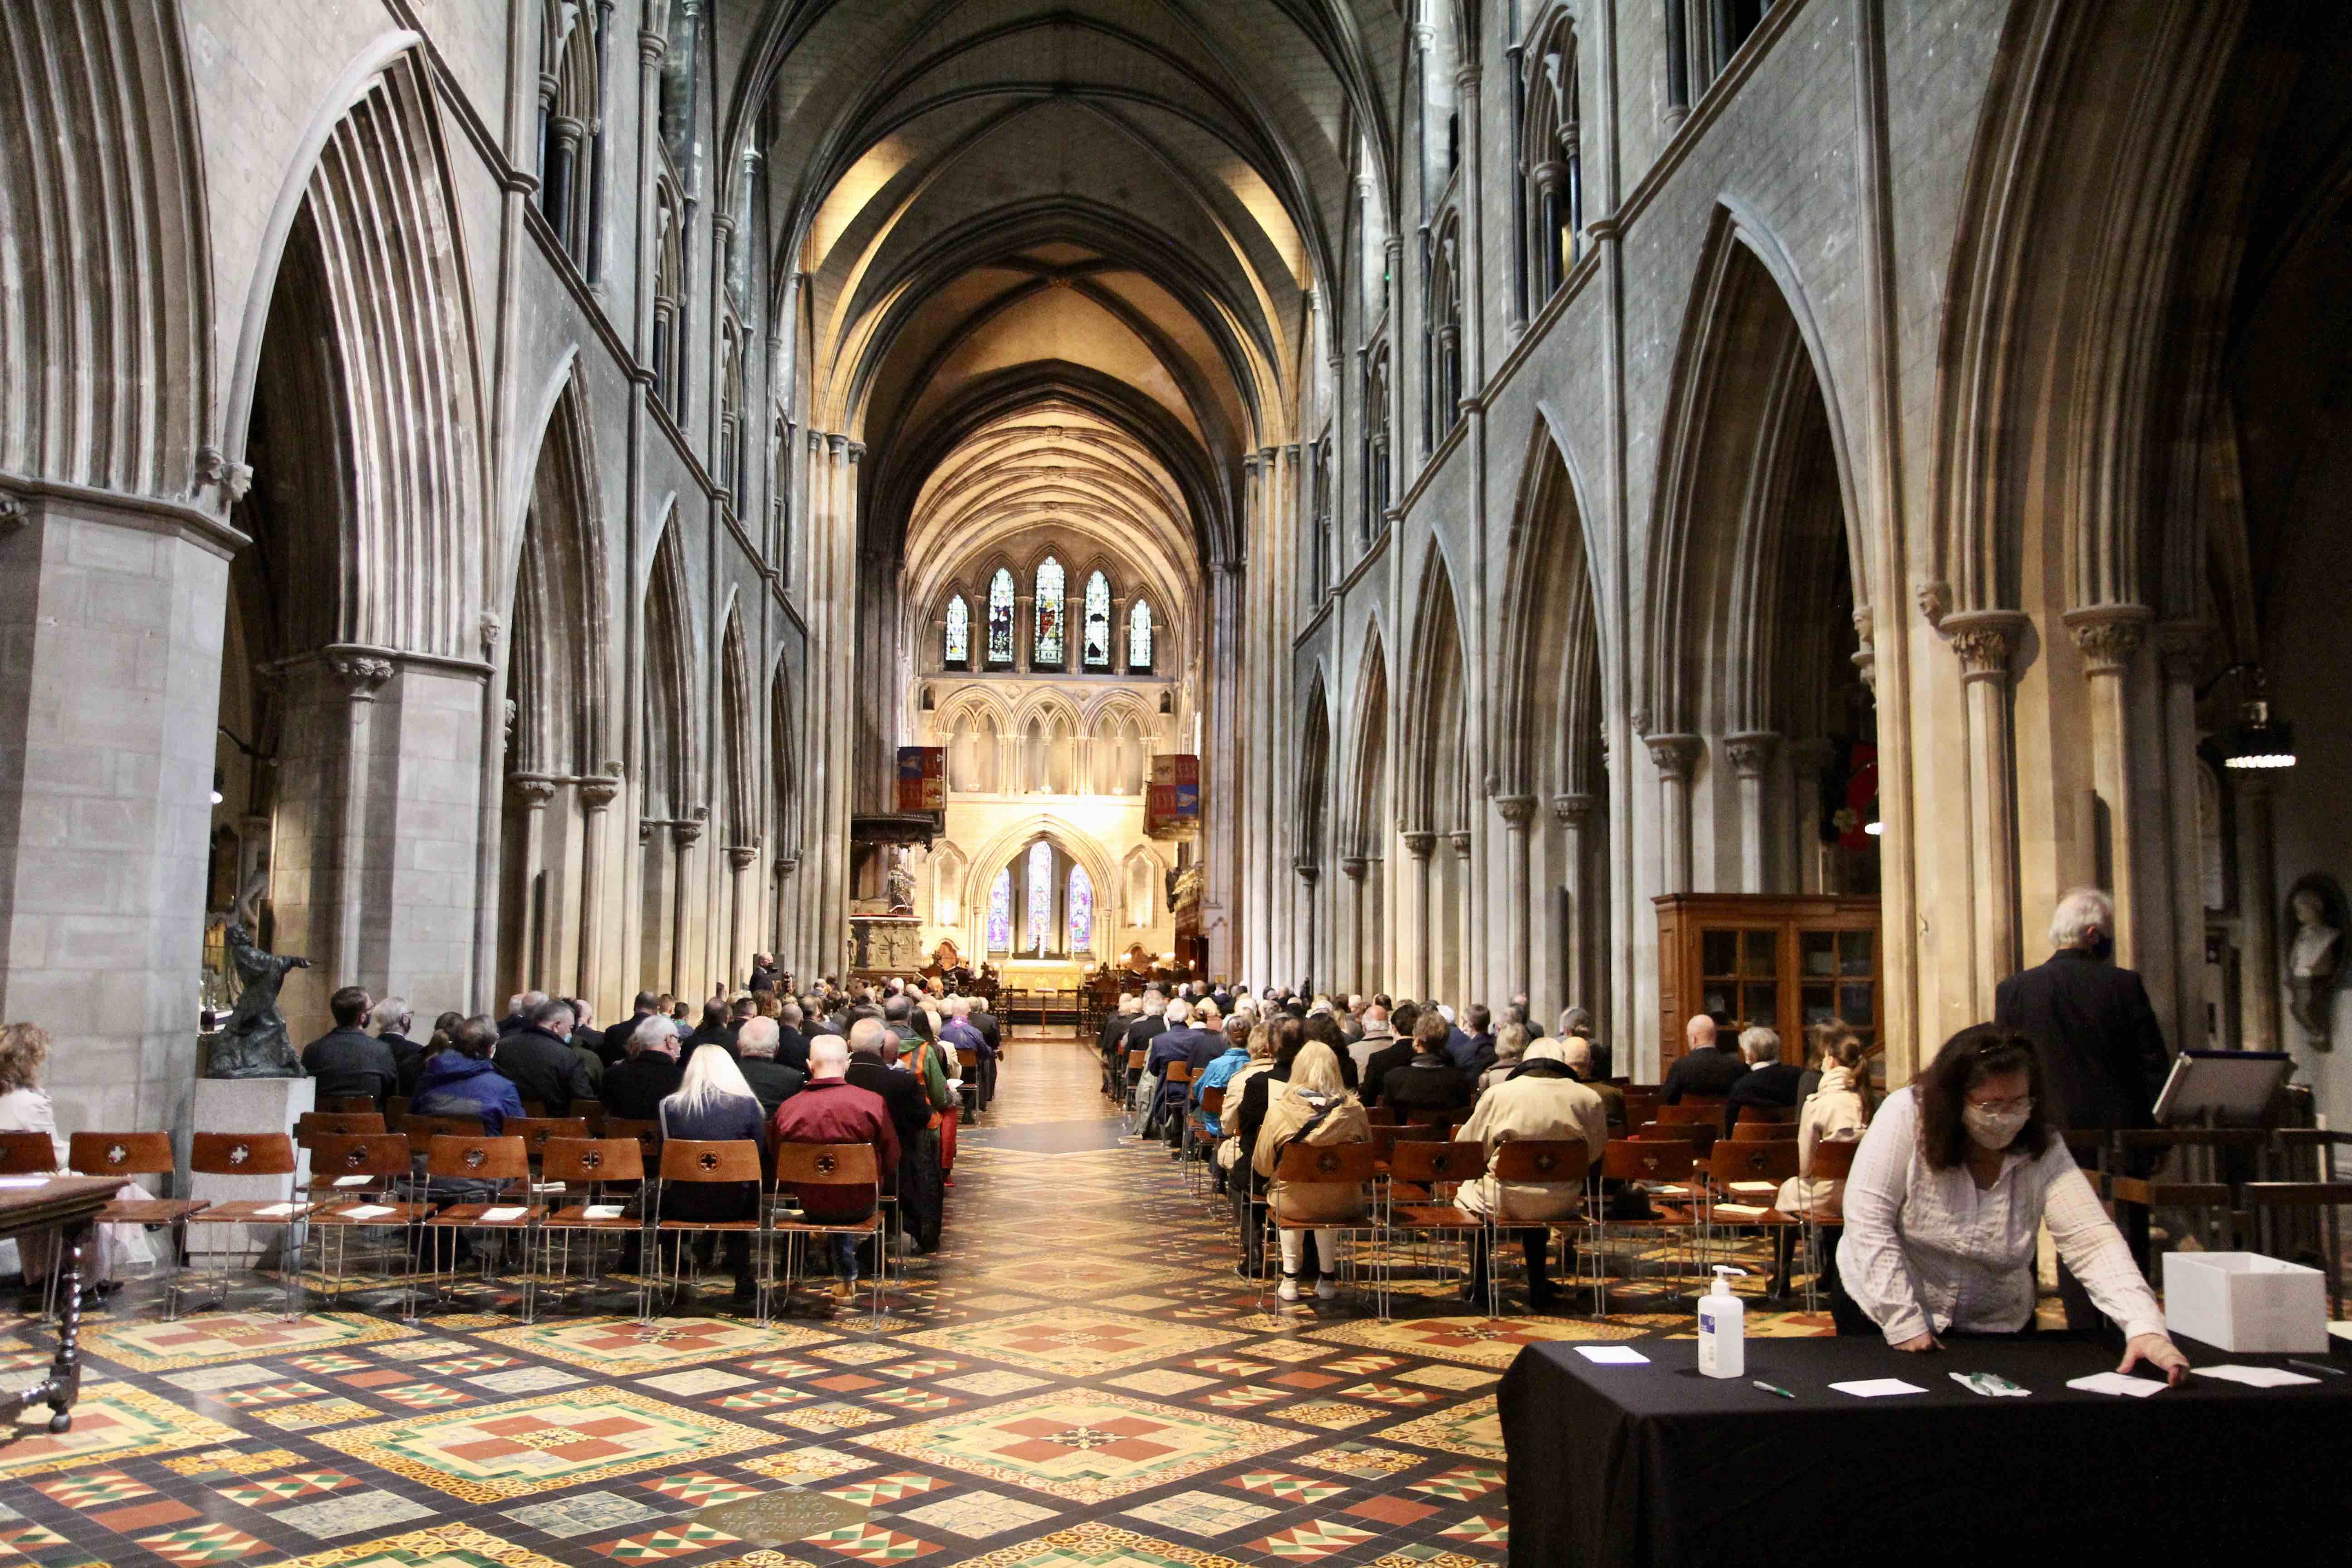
(65, 1371)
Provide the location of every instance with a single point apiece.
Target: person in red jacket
(831, 1109)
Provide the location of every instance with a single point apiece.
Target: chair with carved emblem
(599, 1177)
(359, 1182)
(481, 1188)
(265, 1155)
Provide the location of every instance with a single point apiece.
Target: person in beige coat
(1835, 1112)
(1314, 1105)
(1542, 1100)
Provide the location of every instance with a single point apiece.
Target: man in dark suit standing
(2103, 1055)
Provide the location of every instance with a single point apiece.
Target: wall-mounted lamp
(2259, 740)
(216, 786)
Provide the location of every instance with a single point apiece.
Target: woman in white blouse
(25, 1107)
(1955, 1175)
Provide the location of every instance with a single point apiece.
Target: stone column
(1420, 845)
(683, 836)
(1518, 811)
(110, 626)
(1352, 868)
(1807, 759)
(1673, 756)
(2109, 636)
(1574, 813)
(1751, 754)
(2182, 646)
(1309, 871)
(532, 792)
(740, 858)
(2259, 970)
(788, 935)
(1986, 642)
(1465, 919)
(596, 795)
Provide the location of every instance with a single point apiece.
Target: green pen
(1770, 1389)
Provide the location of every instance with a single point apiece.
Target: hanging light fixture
(2258, 740)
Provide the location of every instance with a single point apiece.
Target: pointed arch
(783, 768)
(1549, 611)
(557, 609)
(1367, 826)
(1313, 806)
(1435, 789)
(740, 820)
(670, 765)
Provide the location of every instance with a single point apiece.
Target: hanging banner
(1172, 807)
(922, 778)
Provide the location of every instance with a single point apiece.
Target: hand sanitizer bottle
(1722, 1328)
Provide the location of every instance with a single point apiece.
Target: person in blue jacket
(461, 1080)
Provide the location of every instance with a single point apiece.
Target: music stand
(2222, 1089)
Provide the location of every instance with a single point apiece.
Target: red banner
(922, 778)
(1172, 807)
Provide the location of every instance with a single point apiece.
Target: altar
(1040, 974)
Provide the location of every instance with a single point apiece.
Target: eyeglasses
(2023, 1102)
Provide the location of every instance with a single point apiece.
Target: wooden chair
(1661, 1169)
(129, 1155)
(249, 1155)
(1698, 1124)
(359, 1180)
(1762, 1132)
(1417, 1167)
(28, 1154)
(649, 1136)
(1335, 1165)
(421, 1129)
(395, 1106)
(1749, 1174)
(832, 1171)
(1549, 1161)
(1197, 1137)
(313, 1124)
(535, 1132)
(350, 1105)
(1381, 1116)
(1831, 1162)
(692, 1161)
(591, 1112)
(1766, 1115)
(508, 1211)
(968, 1072)
(589, 1170)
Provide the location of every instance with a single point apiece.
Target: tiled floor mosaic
(1076, 1380)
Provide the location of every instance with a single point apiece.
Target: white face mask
(1994, 1128)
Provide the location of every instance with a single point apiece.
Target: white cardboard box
(2245, 1302)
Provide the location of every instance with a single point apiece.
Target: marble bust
(2315, 958)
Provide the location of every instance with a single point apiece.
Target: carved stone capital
(597, 793)
(685, 834)
(361, 676)
(1420, 844)
(789, 866)
(2183, 647)
(1985, 641)
(214, 470)
(2108, 635)
(1352, 868)
(645, 825)
(1574, 810)
(1751, 751)
(531, 791)
(740, 856)
(1673, 755)
(1518, 810)
(1461, 842)
(1308, 869)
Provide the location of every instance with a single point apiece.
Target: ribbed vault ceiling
(1114, 208)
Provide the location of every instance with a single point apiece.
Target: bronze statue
(254, 1043)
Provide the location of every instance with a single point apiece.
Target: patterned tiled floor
(1078, 1380)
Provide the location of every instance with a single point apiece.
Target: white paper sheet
(2254, 1376)
(601, 1211)
(273, 1211)
(353, 1181)
(1741, 1211)
(2116, 1382)
(24, 1181)
(501, 1215)
(1877, 1387)
(366, 1211)
(1755, 1186)
(1612, 1355)
(547, 1186)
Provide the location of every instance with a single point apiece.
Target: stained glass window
(1000, 912)
(1051, 630)
(1138, 635)
(999, 618)
(1041, 895)
(1082, 910)
(959, 650)
(1097, 622)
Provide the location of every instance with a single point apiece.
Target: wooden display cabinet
(1783, 960)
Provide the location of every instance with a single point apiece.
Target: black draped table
(1654, 1465)
(67, 1204)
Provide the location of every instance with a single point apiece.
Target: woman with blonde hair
(26, 1106)
(1315, 1106)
